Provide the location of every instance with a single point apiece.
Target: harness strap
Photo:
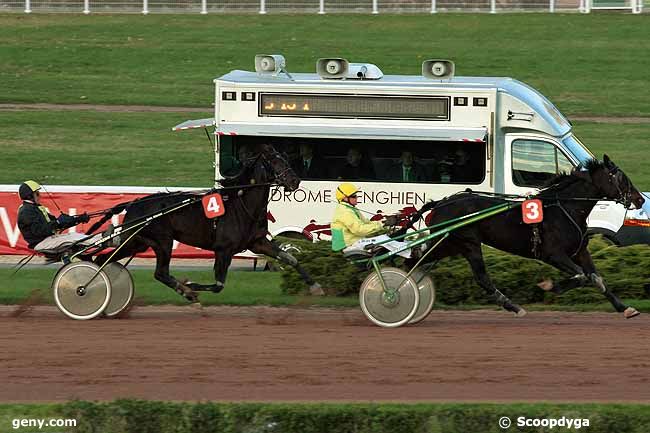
(537, 241)
(241, 200)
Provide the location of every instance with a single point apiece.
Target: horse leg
(214, 288)
(221, 264)
(163, 253)
(475, 258)
(222, 261)
(271, 249)
(584, 259)
(564, 263)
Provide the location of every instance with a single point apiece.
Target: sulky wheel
(122, 288)
(427, 295)
(73, 294)
(394, 306)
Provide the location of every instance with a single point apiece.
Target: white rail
(318, 6)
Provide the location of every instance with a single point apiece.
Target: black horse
(559, 240)
(243, 226)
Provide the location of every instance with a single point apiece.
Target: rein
(201, 193)
(139, 200)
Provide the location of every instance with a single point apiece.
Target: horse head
(266, 164)
(615, 184)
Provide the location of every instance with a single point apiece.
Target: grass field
(594, 64)
(172, 59)
(90, 148)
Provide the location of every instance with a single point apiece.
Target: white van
(402, 139)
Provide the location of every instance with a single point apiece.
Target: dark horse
(243, 226)
(559, 240)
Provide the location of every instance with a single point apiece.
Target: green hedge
(625, 270)
(137, 416)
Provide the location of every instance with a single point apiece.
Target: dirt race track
(264, 354)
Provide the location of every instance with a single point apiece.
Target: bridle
(278, 178)
(616, 177)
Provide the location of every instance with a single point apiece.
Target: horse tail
(108, 215)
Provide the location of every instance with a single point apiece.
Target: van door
(531, 161)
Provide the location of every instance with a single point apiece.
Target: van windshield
(577, 149)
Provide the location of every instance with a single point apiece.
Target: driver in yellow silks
(350, 229)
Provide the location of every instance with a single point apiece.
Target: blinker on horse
(243, 226)
(559, 240)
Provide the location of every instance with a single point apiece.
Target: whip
(51, 198)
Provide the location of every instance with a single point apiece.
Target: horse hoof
(521, 313)
(546, 285)
(630, 312)
(316, 290)
(191, 296)
(196, 305)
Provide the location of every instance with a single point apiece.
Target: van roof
(248, 77)
(557, 124)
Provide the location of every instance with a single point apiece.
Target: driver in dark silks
(41, 229)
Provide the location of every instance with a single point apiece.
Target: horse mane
(593, 165)
(564, 179)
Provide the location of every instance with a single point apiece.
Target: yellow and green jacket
(348, 226)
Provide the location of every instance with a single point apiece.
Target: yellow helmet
(345, 189)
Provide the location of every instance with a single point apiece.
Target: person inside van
(352, 232)
(465, 167)
(356, 167)
(309, 165)
(408, 169)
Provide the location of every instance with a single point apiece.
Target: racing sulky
(243, 225)
(559, 240)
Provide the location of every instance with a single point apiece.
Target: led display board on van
(354, 106)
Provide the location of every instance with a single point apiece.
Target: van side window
(369, 160)
(534, 162)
